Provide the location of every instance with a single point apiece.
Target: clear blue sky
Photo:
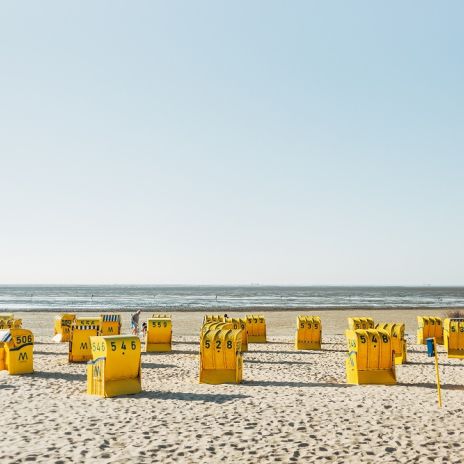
(232, 142)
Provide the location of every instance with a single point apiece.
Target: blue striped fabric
(5, 336)
(111, 318)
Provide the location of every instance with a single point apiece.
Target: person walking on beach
(135, 322)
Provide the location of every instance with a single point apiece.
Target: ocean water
(58, 298)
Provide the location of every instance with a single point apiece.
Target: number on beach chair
(355, 323)
(256, 327)
(220, 356)
(398, 341)
(308, 334)
(8, 321)
(429, 327)
(62, 327)
(16, 351)
(453, 337)
(115, 367)
(79, 341)
(370, 359)
(213, 318)
(159, 334)
(240, 324)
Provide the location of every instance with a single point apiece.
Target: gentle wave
(204, 297)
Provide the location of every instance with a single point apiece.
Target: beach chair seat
(256, 328)
(111, 324)
(79, 341)
(220, 356)
(62, 327)
(17, 351)
(429, 327)
(8, 321)
(240, 324)
(115, 367)
(159, 334)
(453, 337)
(396, 330)
(355, 323)
(308, 334)
(370, 359)
(213, 318)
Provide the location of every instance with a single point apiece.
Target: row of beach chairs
(114, 366)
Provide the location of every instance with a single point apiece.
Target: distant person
(225, 316)
(144, 329)
(135, 322)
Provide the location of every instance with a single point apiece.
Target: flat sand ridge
(293, 406)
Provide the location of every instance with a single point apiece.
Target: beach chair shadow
(51, 353)
(433, 386)
(167, 353)
(150, 365)
(174, 351)
(277, 383)
(301, 352)
(59, 375)
(257, 361)
(269, 342)
(219, 398)
(431, 363)
(5, 386)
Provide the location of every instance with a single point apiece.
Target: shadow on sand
(150, 365)
(5, 387)
(432, 363)
(257, 361)
(185, 352)
(433, 386)
(220, 398)
(168, 353)
(300, 352)
(51, 353)
(277, 383)
(59, 376)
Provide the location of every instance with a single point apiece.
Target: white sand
(292, 407)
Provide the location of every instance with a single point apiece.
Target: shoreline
(208, 309)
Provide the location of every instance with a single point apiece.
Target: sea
(178, 297)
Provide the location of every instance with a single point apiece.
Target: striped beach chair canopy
(111, 317)
(5, 336)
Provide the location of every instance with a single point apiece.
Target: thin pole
(437, 372)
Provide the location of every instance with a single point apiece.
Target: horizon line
(228, 285)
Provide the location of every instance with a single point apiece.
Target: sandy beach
(293, 406)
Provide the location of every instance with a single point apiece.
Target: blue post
(430, 347)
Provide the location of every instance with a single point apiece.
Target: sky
(213, 142)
